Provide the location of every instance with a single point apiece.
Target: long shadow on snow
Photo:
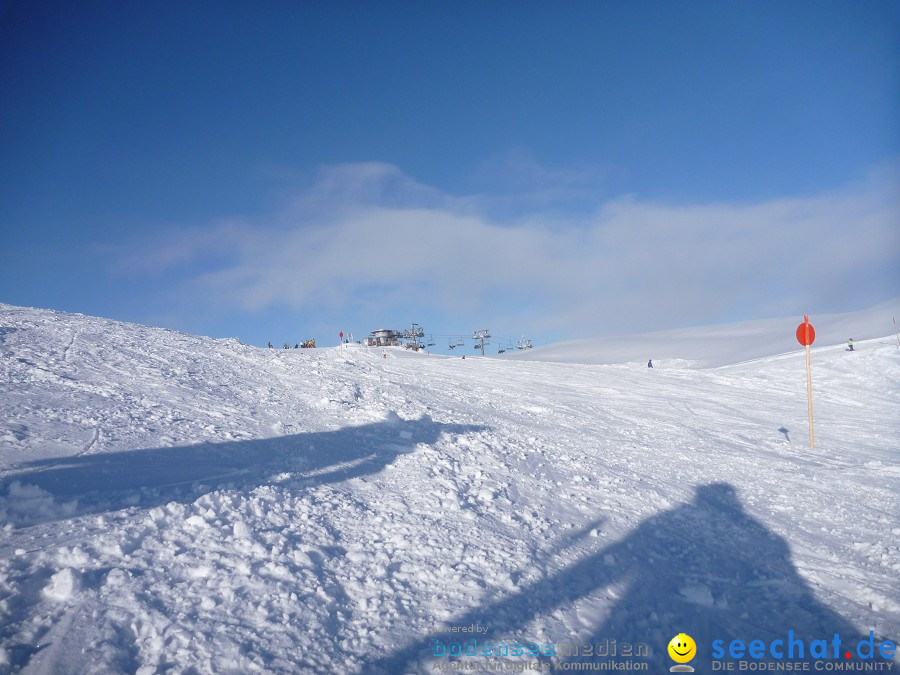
(705, 568)
(151, 477)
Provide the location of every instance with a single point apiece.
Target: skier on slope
(650, 363)
(850, 345)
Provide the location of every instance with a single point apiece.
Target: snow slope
(172, 503)
(712, 346)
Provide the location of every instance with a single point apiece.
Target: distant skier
(270, 346)
(650, 363)
(850, 345)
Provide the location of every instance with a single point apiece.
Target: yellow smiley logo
(682, 648)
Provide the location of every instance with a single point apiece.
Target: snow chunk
(199, 571)
(72, 556)
(63, 585)
(26, 504)
(196, 521)
(117, 578)
(699, 594)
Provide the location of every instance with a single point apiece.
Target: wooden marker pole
(812, 436)
(806, 334)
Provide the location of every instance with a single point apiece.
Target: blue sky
(283, 170)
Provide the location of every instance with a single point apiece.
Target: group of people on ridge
(306, 344)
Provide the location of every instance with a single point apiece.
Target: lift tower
(481, 339)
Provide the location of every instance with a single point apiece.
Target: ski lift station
(384, 337)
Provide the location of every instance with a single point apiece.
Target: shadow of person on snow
(102, 482)
(705, 568)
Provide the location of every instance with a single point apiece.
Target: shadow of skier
(103, 482)
(705, 568)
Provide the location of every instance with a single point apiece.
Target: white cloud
(368, 234)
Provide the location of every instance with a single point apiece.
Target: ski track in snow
(172, 503)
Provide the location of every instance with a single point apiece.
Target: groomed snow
(172, 503)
